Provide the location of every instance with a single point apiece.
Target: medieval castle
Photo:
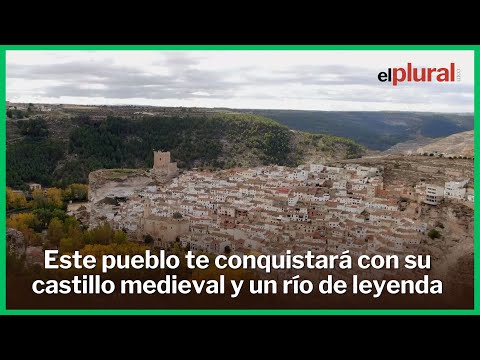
(162, 165)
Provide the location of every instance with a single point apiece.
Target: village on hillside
(272, 209)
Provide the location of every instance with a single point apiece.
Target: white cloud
(313, 80)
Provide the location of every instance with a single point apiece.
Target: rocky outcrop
(101, 178)
(116, 183)
(81, 211)
(109, 188)
(16, 244)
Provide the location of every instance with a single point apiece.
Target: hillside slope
(460, 144)
(215, 141)
(409, 146)
(377, 130)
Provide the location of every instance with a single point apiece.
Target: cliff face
(16, 243)
(115, 183)
(98, 179)
(109, 188)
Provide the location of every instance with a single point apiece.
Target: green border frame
(4, 311)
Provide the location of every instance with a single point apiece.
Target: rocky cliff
(16, 243)
(108, 188)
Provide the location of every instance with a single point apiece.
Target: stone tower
(161, 159)
(162, 165)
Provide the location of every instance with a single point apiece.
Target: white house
(455, 189)
(433, 194)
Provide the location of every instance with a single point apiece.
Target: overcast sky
(309, 80)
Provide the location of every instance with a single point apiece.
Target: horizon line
(241, 108)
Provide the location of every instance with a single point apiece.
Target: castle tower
(161, 159)
(162, 165)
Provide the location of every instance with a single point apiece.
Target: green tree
(72, 229)
(54, 198)
(102, 234)
(119, 237)
(39, 199)
(55, 232)
(50, 198)
(24, 221)
(15, 200)
(45, 215)
(33, 128)
(434, 234)
(76, 192)
(148, 239)
(35, 161)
